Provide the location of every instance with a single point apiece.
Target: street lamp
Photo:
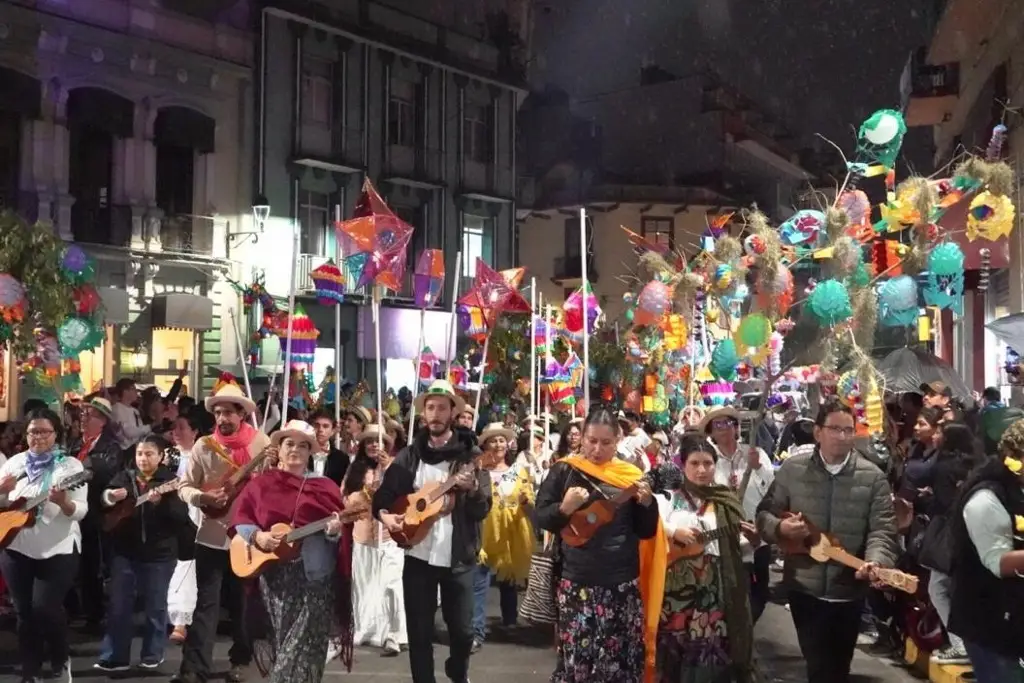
(140, 358)
(260, 210)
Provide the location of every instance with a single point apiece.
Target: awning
(183, 127)
(115, 305)
(181, 312)
(102, 109)
(19, 93)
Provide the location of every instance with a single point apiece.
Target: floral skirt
(601, 634)
(693, 641)
(300, 613)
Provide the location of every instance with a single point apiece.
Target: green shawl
(735, 583)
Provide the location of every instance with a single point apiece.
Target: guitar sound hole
(591, 518)
(421, 505)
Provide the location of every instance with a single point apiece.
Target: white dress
(378, 605)
(181, 591)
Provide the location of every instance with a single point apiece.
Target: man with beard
(233, 444)
(447, 557)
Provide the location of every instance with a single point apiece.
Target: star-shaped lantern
(495, 292)
(375, 241)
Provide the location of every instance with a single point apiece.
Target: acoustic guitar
(421, 509)
(823, 547)
(123, 509)
(586, 521)
(21, 513)
(233, 482)
(247, 561)
(678, 551)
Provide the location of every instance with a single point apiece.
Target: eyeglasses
(841, 431)
(722, 424)
(40, 433)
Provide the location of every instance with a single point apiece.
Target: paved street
(518, 656)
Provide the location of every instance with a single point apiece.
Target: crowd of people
(648, 553)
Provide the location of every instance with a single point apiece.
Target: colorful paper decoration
(897, 301)
(12, 301)
(990, 217)
(753, 332)
(642, 244)
(304, 336)
(724, 360)
(944, 282)
(76, 335)
(87, 300)
(573, 309)
(830, 303)
(874, 413)
(879, 140)
(428, 365)
(329, 283)
(776, 296)
(77, 265)
(377, 235)
(857, 207)
(652, 304)
(494, 294)
(428, 278)
(675, 332)
(803, 228)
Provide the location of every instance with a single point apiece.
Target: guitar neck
(160, 490)
(71, 483)
(844, 558)
(308, 530)
(245, 470)
(718, 533)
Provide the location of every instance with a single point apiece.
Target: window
(477, 242)
(402, 117)
(414, 216)
(658, 231)
(477, 138)
(316, 91)
(314, 214)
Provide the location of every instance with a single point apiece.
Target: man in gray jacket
(836, 490)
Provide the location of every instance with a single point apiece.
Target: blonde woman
(377, 561)
(507, 532)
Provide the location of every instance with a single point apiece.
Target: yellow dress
(507, 544)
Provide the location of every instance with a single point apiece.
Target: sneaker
(391, 648)
(110, 666)
(236, 675)
(477, 644)
(63, 675)
(950, 654)
(151, 663)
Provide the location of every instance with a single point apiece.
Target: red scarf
(238, 443)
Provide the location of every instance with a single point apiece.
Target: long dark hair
(695, 444)
(355, 477)
(601, 416)
(563, 439)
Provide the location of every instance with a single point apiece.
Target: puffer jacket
(854, 506)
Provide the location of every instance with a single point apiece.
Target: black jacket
(151, 533)
(612, 556)
(106, 459)
(470, 508)
(336, 465)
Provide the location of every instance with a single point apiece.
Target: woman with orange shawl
(610, 593)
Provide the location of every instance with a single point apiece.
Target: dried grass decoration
(897, 301)
(990, 217)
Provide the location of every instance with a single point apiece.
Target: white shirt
(436, 548)
(729, 472)
(54, 533)
(319, 463)
(677, 513)
(627, 449)
(129, 421)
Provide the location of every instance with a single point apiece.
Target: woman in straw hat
(507, 538)
(308, 602)
(378, 605)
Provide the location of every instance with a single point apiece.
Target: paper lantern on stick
(304, 336)
(428, 278)
(376, 232)
(329, 283)
(652, 303)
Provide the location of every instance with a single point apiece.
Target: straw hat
(373, 433)
(295, 429)
(496, 429)
(441, 387)
(360, 413)
(720, 413)
(102, 406)
(230, 393)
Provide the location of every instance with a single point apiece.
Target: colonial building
(660, 159)
(423, 103)
(961, 85)
(122, 124)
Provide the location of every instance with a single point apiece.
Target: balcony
(110, 225)
(568, 271)
(929, 91)
(186, 235)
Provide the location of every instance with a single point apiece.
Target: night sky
(818, 65)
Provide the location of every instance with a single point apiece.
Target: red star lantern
(493, 293)
(381, 237)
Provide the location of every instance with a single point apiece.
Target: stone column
(61, 141)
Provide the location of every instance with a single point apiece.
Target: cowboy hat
(496, 429)
(295, 429)
(440, 387)
(230, 392)
(360, 413)
(719, 413)
(101, 406)
(373, 433)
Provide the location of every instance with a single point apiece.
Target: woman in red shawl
(307, 602)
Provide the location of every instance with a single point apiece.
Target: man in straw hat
(233, 444)
(447, 557)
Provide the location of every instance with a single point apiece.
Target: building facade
(961, 85)
(361, 90)
(123, 124)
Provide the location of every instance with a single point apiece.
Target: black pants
(760, 581)
(92, 572)
(419, 585)
(827, 632)
(38, 589)
(212, 570)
